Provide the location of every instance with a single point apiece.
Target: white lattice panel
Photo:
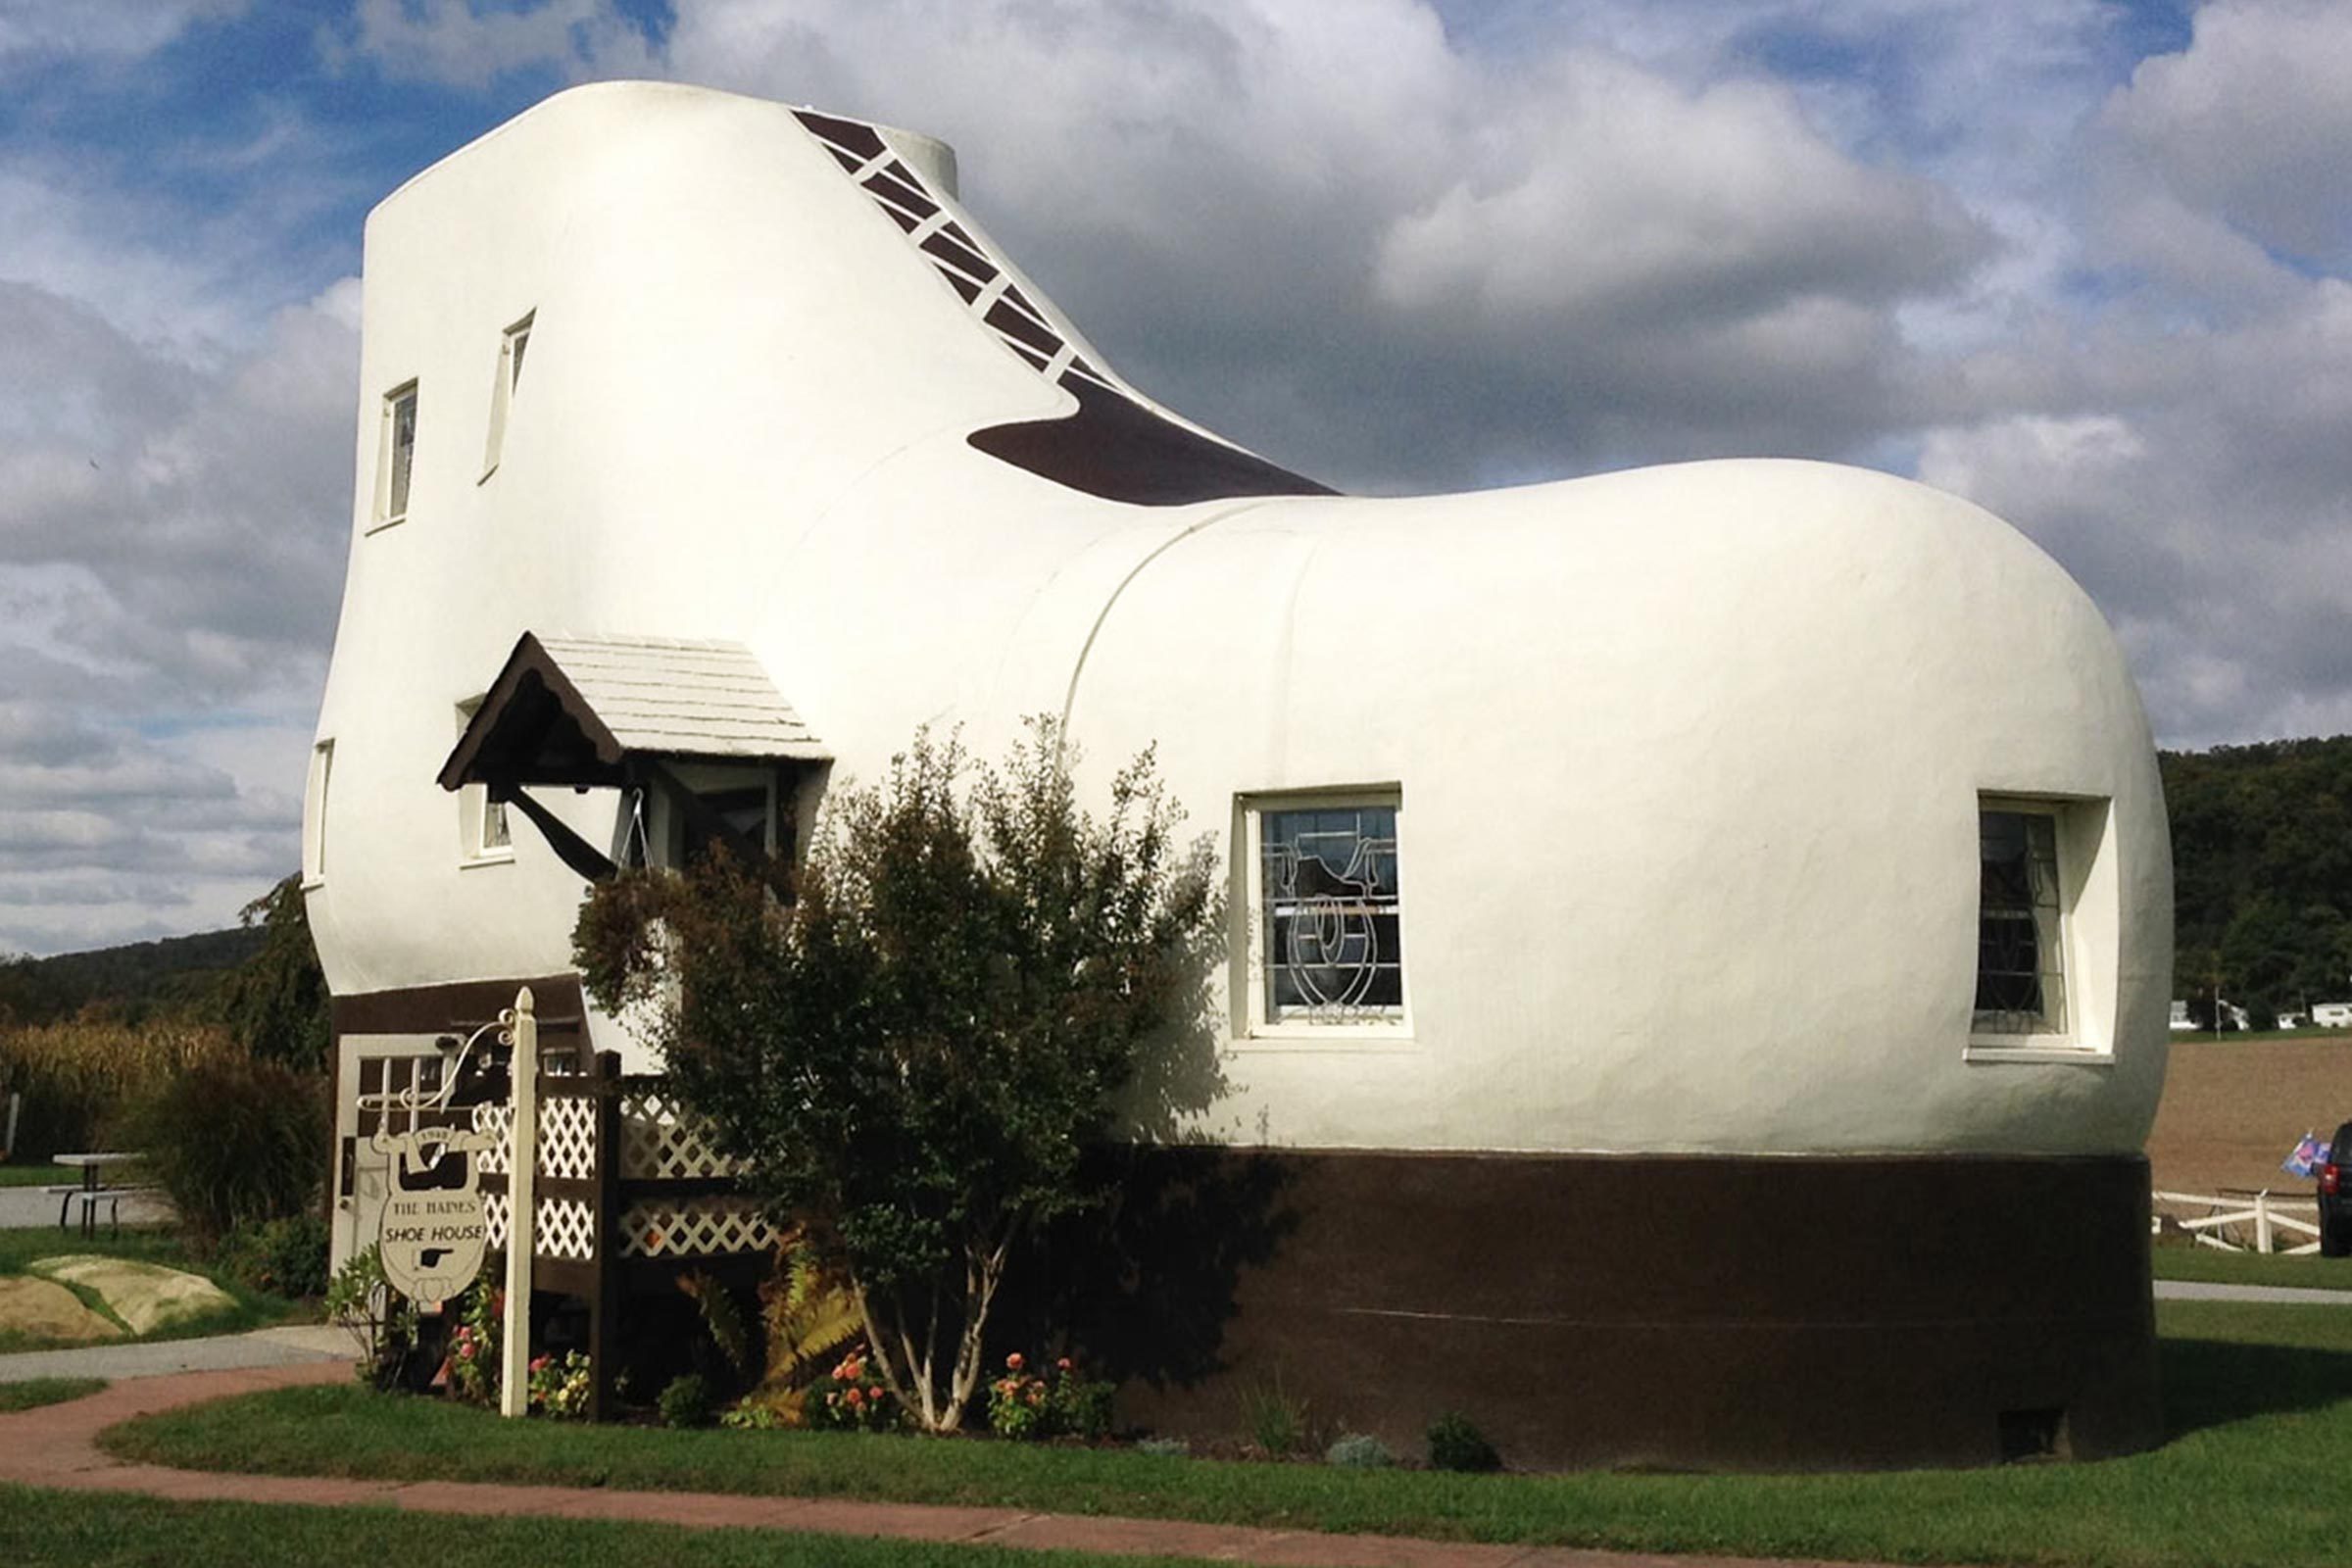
(566, 1229)
(661, 1141)
(695, 1227)
(566, 1226)
(568, 1138)
(499, 1158)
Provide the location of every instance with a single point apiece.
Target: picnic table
(92, 1189)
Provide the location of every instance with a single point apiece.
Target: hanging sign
(435, 1232)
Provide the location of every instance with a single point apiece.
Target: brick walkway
(55, 1445)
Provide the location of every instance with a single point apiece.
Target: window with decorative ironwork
(2021, 922)
(1329, 937)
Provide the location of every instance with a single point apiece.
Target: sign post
(515, 1384)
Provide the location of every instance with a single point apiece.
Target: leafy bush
(851, 1397)
(1024, 1405)
(235, 1143)
(383, 1321)
(80, 1079)
(1456, 1444)
(976, 981)
(686, 1402)
(560, 1384)
(286, 1256)
(1360, 1450)
(474, 1353)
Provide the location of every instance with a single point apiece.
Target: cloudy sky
(2087, 263)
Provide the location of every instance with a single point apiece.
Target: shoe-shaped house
(1701, 935)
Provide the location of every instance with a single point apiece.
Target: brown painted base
(1704, 1312)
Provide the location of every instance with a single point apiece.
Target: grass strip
(2210, 1266)
(36, 1175)
(104, 1530)
(33, 1393)
(2259, 1402)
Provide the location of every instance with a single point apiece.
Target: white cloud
(455, 42)
(39, 30)
(2252, 122)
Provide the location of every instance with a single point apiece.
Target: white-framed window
(485, 837)
(512, 347)
(396, 455)
(314, 816)
(1325, 911)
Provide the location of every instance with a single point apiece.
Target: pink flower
(874, 1392)
(1014, 1361)
(1064, 1363)
(539, 1363)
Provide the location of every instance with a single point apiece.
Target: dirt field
(2231, 1112)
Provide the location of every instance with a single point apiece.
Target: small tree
(976, 980)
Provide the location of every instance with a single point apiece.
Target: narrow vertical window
(398, 456)
(2021, 923)
(483, 833)
(511, 350)
(314, 845)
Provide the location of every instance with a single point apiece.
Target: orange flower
(1014, 1361)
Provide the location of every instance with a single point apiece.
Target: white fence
(2240, 1221)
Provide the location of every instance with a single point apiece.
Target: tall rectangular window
(313, 838)
(502, 389)
(2021, 922)
(1328, 911)
(397, 456)
(483, 833)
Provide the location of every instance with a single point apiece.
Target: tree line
(2262, 875)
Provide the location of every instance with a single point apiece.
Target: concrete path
(56, 1446)
(24, 1208)
(280, 1347)
(2193, 1290)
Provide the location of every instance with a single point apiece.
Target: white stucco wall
(1689, 759)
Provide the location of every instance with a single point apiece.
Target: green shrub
(1360, 1450)
(286, 1256)
(235, 1143)
(381, 1321)
(1277, 1422)
(1456, 1444)
(82, 1079)
(686, 1402)
(1023, 1405)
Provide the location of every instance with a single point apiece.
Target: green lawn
(92, 1530)
(2207, 1265)
(2259, 1402)
(36, 1176)
(252, 1308)
(37, 1391)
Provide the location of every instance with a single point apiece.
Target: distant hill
(130, 981)
(2262, 872)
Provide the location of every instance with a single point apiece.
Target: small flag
(2308, 1156)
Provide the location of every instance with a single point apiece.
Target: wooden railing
(2238, 1221)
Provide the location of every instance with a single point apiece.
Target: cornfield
(79, 1078)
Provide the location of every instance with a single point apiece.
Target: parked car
(2332, 1015)
(2335, 1196)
